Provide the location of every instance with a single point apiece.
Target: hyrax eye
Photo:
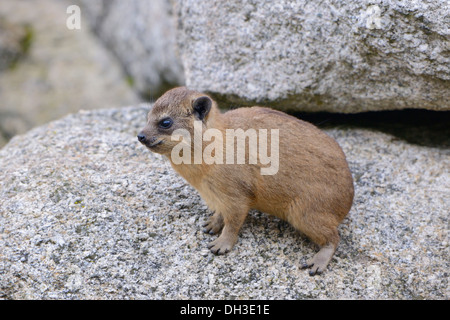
(165, 123)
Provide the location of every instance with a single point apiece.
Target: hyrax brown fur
(312, 190)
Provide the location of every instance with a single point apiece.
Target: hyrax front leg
(232, 223)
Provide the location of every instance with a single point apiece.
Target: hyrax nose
(141, 137)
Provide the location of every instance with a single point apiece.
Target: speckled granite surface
(86, 212)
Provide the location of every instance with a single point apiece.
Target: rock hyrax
(311, 186)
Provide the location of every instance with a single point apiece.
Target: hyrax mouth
(149, 143)
(154, 144)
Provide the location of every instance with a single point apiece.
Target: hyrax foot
(222, 244)
(214, 224)
(231, 223)
(319, 262)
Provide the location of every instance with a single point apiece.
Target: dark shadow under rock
(421, 127)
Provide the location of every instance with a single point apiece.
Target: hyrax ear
(202, 106)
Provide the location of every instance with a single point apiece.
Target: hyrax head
(176, 109)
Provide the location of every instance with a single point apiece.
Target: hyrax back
(312, 187)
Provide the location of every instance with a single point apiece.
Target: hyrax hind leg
(319, 262)
(321, 229)
(327, 238)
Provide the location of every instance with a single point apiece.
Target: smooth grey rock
(62, 71)
(86, 212)
(337, 56)
(142, 36)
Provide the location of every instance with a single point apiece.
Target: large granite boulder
(337, 56)
(142, 34)
(86, 212)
